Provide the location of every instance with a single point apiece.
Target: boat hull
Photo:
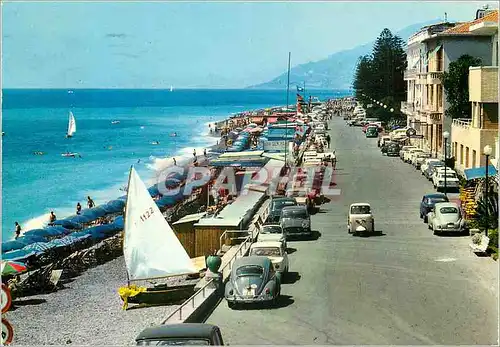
(163, 296)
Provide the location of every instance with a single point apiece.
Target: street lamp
(392, 110)
(487, 152)
(385, 106)
(446, 136)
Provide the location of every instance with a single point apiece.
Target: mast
(287, 103)
(125, 218)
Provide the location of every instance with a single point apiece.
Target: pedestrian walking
(204, 152)
(328, 140)
(175, 162)
(52, 217)
(78, 208)
(90, 202)
(194, 152)
(18, 230)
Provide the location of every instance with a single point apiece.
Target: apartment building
(469, 136)
(440, 45)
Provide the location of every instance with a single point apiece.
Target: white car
(274, 251)
(272, 232)
(452, 181)
(425, 164)
(407, 157)
(419, 159)
(446, 217)
(405, 149)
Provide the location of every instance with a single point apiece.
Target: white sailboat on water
(71, 125)
(171, 88)
(151, 249)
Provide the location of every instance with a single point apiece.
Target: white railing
(190, 304)
(462, 122)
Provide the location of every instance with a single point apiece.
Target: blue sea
(37, 120)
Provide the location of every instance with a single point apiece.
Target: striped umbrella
(38, 247)
(12, 267)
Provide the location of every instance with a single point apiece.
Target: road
(406, 286)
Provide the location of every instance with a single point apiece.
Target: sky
(190, 44)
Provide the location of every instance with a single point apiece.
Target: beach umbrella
(12, 267)
(38, 247)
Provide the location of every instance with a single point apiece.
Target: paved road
(404, 287)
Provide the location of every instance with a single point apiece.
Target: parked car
(392, 149)
(446, 218)
(425, 164)
(194, 334)
(360, 219)
(277, 204)
(382, 141)
(452, 181)
(372, 131)
(431, 169)
(275, 251)
(408, 156)
(253, 280)
(428, 202)
(272, 232)
(296, 222)
(419, 159)
(404, 149)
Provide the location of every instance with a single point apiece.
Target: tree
(456, 85)
(380, 76)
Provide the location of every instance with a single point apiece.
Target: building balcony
(483, 84)
(484, 28)
(434, 77)
(410, 74)
(467, 143)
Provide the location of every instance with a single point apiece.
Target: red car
(379, 128)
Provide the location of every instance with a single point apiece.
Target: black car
(428, 202)
(391, 149)
(277, 204)
(194, 334)
(296, 222)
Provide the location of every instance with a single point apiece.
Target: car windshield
(302, 213)
(266, 251)
(424, 155)
(449, 209)
(434, 165)
(250, 270)
(271, 229)
(360, 209)
(174, 342)
(449, 175)
(280, 204)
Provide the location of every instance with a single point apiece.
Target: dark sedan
(194, 334)
(428, 202)
(253, 280)
(277, 204)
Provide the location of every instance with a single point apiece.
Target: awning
(479, 172)
(272, 119)
(435, 50)
(257, 120)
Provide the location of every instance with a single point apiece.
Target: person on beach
(52, 217)
(18, 230)
(328, 140)
(175, 162)
(78, 208)
(90, 202)
(204, 152)
(194, 152)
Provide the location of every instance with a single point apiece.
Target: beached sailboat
(71, 125)
(151, 250)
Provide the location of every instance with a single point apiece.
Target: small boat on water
(115, 122)
(70, 154)
(155, 142)
(171, 88)
(3, 133)
(151, 250)
(38, 153)
(71, 125)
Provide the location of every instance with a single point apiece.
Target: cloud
(116, 35)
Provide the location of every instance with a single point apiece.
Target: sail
(150, 247)
(72, 124)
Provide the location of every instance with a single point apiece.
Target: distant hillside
(336, 71)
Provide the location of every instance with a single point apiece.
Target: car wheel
(426, 219)
(373, 226)
(429, 226)
(230, 304)
(421, 215)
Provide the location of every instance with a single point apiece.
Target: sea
(37, 121)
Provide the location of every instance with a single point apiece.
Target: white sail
(171, 88)
(150, 246)
(71, 124)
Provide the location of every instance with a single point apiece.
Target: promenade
(404, 287)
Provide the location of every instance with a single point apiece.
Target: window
(446, 210)
(473, 158)
(271, 229)
(266, 251)
(360, 210)
(299, 213)
(174, 342)
(250, 270)
(466, 157)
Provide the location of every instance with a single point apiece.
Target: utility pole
(287, 103)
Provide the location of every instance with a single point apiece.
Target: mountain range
(335, 71)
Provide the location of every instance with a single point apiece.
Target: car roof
(435, 195)
(183, 330)
(252, 260)
(266, 244)
(289, 208)
(360, 204)
(446, 204)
